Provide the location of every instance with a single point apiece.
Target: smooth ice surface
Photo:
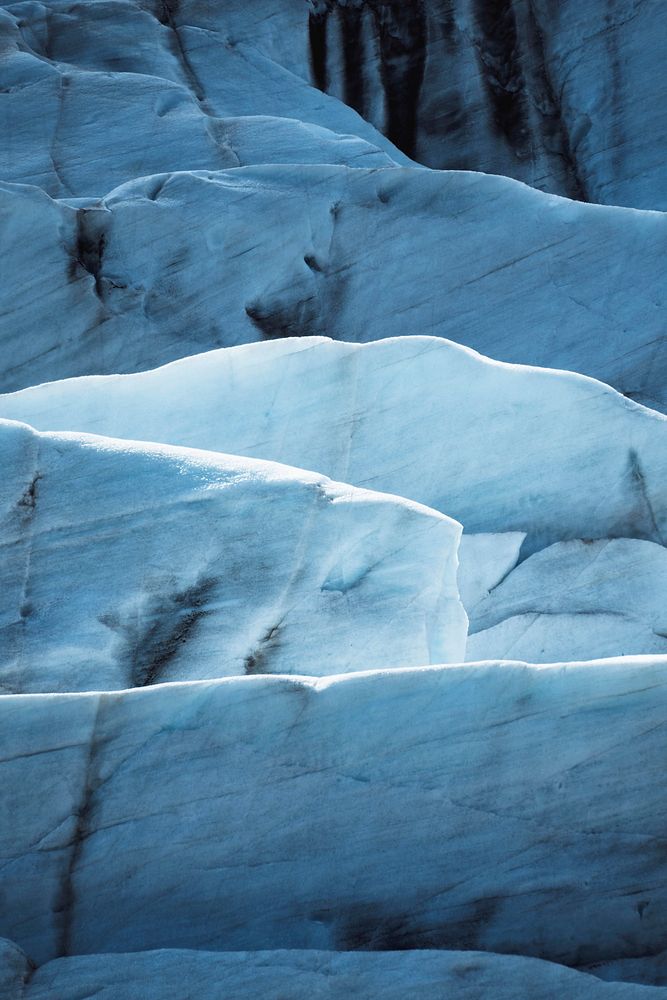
(169, 265)
(499, 447)
(126, 564)
(576, 600)
(484, 560)
(319, 975)
(496, 807)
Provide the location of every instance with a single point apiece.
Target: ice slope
(499, 807)
(66, 127)
(173, 264)
(499, 447)
(576, 600)
(567, 97)
(315, 975)
(14, 971)
(126, 564)
(74, 75)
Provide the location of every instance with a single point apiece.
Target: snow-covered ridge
(495, 807)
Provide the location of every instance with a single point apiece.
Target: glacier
(580, 599)
(164, 974)
(419, 416)
(333, 507)
(166, 266)
(208, 566)
(462, 806)
(565, 97)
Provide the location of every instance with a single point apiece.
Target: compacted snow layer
(501, 448)
(307, 975)
(169, 265)
(497, 807)
(576, 600)
(126, 564)
(568, 97)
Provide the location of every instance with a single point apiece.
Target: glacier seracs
(178, 176)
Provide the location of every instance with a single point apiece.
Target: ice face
(172, 264)
(230, 761)
(187, 564)
(540, 93)
(501, 448)
(459, 975)
(576, 600)
(387, 810)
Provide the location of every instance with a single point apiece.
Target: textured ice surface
(127, 564)
(172, 264)
(182, 175)
(576, 600)
(499, 447)
(568, 97)
(314, 975)
(485, 560)
(76, 74)
(498, 808)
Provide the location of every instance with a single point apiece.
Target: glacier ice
(502, 808)
(576, 600)
(188, 564)
(462, 975)
(566, 97)
(247, 746)
(168, 265)
(417, 416)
